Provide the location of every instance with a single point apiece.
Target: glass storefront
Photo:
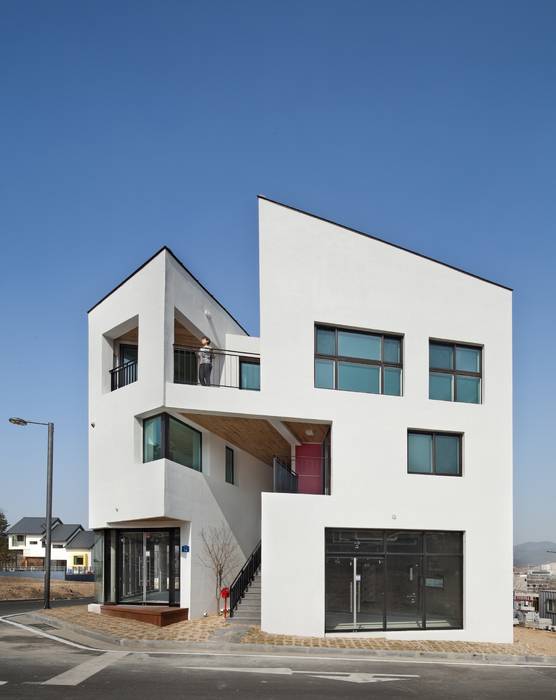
(393, 580)
(138, 566)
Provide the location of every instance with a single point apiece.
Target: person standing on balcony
(205, 356)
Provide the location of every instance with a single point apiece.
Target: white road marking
(327, 675)
(270, 655)
(80, 673)
(3, 682)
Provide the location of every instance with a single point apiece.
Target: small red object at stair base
(225, 593)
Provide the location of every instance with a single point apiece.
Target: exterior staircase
(248, 610)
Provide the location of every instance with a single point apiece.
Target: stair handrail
(247, 573)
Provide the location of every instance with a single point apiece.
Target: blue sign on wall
(185, 548)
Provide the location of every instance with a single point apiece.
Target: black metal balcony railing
(238, 370)
(284, 478)
(123, 375)
(301, 475)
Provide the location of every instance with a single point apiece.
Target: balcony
(236, 370)
(123, 375)
(310, 475)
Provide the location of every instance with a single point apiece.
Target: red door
(308, 465)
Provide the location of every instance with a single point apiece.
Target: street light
(47, 562)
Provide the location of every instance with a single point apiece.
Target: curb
(146, 645)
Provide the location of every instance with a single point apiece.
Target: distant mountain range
(534, 553)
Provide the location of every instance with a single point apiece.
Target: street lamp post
(49, 474)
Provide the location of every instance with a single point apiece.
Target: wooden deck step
(160, 615)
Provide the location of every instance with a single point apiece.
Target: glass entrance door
(148, 566)
(354, 593)
(339, 593)
(369, 582)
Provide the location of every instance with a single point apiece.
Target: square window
(441, 356)
(440, 386)
(433, 453)
(468, 359)
(468, 389)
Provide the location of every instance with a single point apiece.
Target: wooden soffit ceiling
(254, 435)
(184, 337)
(319, 430)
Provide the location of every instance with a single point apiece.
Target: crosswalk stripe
(88, 668)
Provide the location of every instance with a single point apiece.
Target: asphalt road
(36, 667)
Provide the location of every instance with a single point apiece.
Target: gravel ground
(12, 588)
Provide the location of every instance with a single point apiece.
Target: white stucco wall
(339, 277)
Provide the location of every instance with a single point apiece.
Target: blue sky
(128, 125)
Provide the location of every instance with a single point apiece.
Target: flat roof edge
(381, 240)
(181, 264)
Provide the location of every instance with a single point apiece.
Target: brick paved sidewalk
(518, 648)
(189, 631)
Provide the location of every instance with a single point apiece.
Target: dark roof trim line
(381, 240)
(168, 250)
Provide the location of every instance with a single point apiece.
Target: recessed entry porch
(298, 451)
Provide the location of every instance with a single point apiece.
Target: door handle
(351, 597)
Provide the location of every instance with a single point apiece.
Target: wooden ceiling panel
(182, 336)
(131, 336)
(254, 435)
(299, 430)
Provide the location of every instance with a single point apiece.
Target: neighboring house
(547, 605)
(79, 551)
(365, 437)
(27, 539)
(62, 535)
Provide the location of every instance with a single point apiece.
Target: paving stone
(190, 630)
(255, 636)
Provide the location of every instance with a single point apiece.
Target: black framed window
(401, 579)
(128, 354)
(230, 468)
(434, 453)
(455, 372)
(355, 360)
(249, 375)
(167, 437)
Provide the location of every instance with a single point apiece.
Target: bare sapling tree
(220, 555)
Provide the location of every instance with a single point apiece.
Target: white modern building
(365, 438)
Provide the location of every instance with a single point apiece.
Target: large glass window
(184, 444)
(393, 580)
(433, 453)
(455, 372)
(166, 437)
(359, 361)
